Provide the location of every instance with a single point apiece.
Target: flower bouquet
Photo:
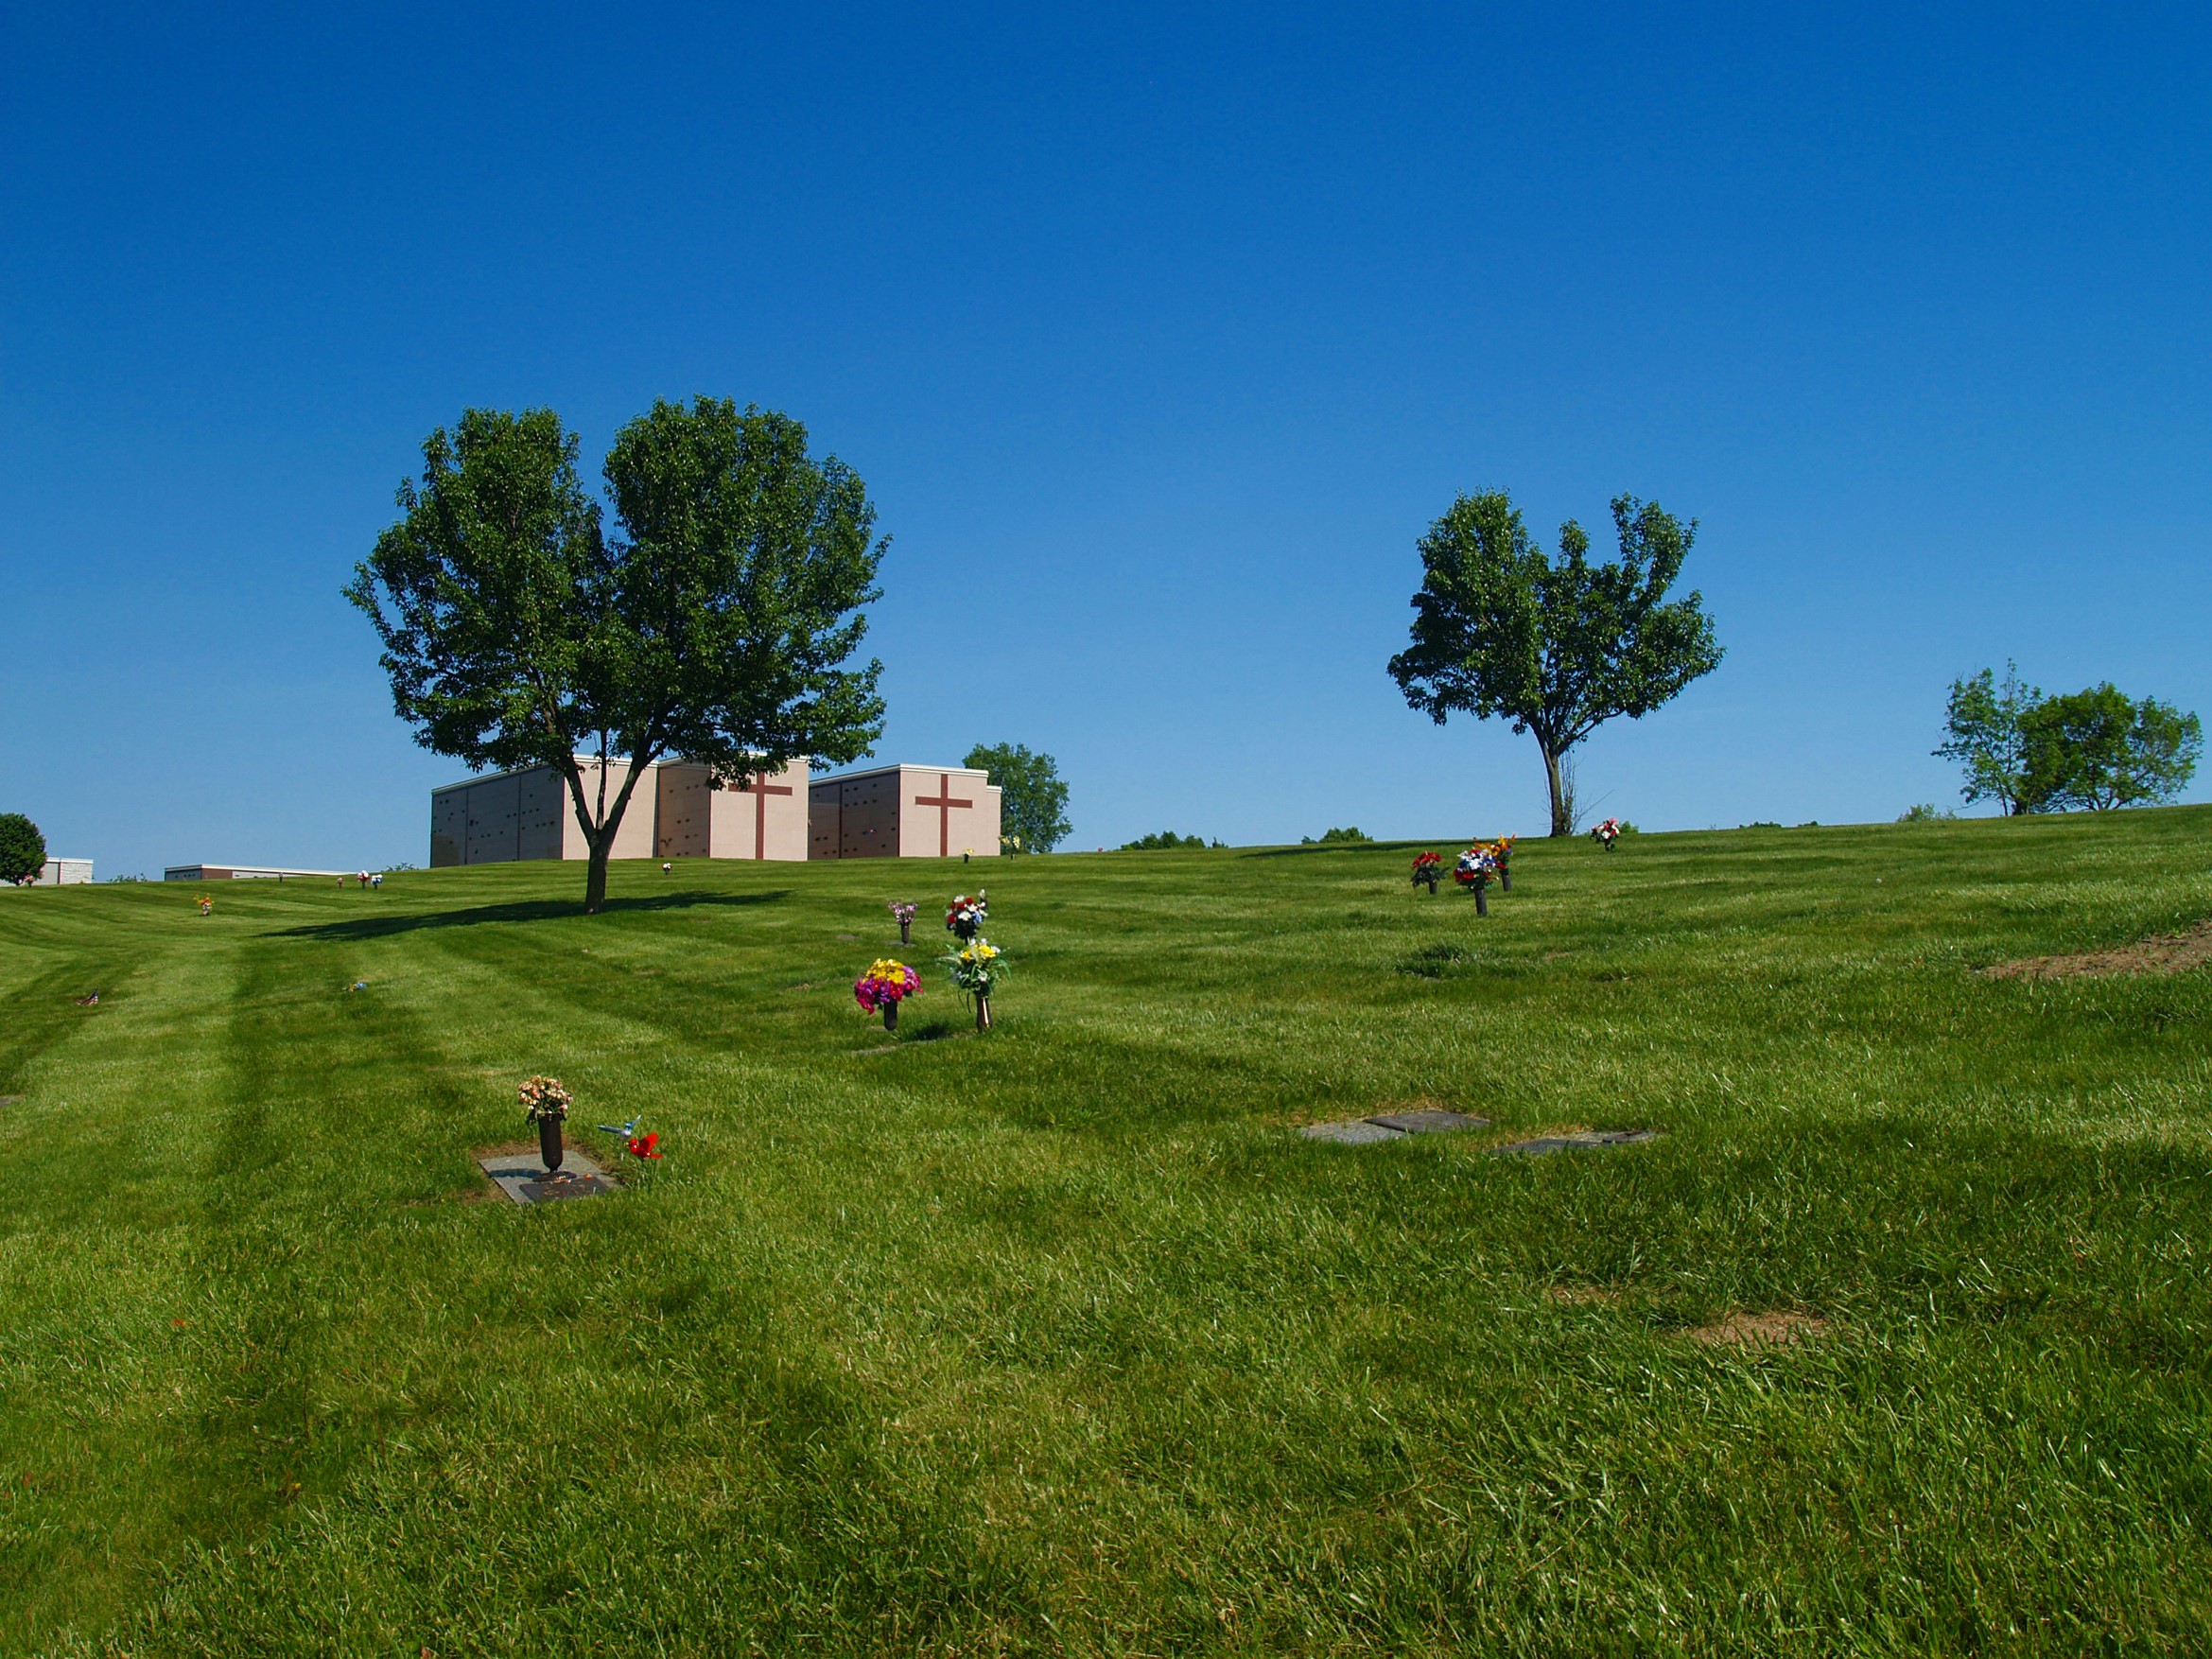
(885, 986)
(1607, 833)
(1501, 849)
(902, 912)
(977, 968)
(545, 1103)
(966, 919)
(1427, 869)
(1477, 867)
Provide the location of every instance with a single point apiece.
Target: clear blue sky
(1159, 340)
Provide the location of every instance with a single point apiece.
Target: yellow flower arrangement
(977, 967)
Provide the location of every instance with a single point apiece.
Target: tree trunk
(595, 880)
(1562, 824)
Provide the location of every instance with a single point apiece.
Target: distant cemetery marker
(1593, 1138)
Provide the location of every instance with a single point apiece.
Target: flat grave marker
(1543, 1144)
(523, 1177)
(1429, 1121)
(1391, 1126)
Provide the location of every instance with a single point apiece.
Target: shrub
(1166, 841)
(1352, 835)
(1925, 813)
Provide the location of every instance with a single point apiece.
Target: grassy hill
(1063, 1340)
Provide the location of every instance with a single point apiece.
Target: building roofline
(905, 766)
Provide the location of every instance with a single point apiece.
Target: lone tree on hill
(713, 627)
(1558, 647)
(1033, 804)
(23, 849)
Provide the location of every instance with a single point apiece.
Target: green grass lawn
(1063, 1340)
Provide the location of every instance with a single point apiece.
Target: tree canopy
(2093, 749)
(2097, 749)
(1984, 734)
(713, 625)
(23, 849)
(1556, 646)
(1033, 803)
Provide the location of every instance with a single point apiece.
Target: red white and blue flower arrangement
(1476, 869)
(964, 919)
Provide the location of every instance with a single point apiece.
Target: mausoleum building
(904, 811)
(678, 812)
(887, 812)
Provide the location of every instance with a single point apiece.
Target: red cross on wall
(761, 790)
(943, 800)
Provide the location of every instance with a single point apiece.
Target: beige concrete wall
(946, 810)
(766, 821)
(699, 819)
(634, 837)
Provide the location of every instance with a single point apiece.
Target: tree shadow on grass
(532, 910)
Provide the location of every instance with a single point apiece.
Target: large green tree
(23, 849)
(1556, 646)
(714, 625)
(2097, 748)
(1033, 804)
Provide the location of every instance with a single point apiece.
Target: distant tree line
(2091, 750)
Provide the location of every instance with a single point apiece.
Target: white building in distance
(245, 873)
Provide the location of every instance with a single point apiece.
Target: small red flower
(646, 1146)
